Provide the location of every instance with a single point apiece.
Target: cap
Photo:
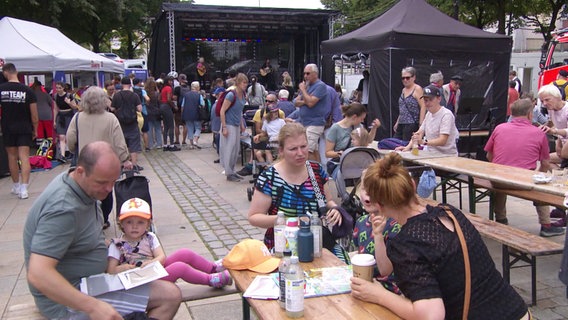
(173, 74)
(251, 254)
(125, 80)
(159, 80)
(273, 108)
(456, 78)
(431, 91)
(135, 207)
(563, 73)
(182, 77)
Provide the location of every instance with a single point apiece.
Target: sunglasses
(270, 101)
(307, 73)
(406, 78)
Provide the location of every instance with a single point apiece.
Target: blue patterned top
(291, 199)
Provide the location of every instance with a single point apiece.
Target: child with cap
(271, 125)
(138, 247)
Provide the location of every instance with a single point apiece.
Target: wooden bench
(518, 246)
(531, 195)
(189, 292)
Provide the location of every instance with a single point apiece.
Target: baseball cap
(431, 91)
(251, 254)
(182, 77)
(135, 207)
(563, 73)
(456, 78)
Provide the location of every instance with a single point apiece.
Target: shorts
(63, 121)
(132, 138)
(178, 120)
(145, 127)
(263, 145)
(17, 140)
(123, 301)
(314, 133)
(44, 129)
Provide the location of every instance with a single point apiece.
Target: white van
(135, 64)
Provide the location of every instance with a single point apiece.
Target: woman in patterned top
(287, 187)
(411, 108)
(427, 257)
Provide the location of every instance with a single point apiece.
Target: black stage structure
(238, 38)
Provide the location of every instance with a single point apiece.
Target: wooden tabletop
(422, 154)
(340, 306)
(474, 133)
(508, 176)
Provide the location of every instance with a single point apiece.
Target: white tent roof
(33, 47)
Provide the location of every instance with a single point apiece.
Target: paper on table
(264, 288)
(139, 276)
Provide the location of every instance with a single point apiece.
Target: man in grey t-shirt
(63, 242)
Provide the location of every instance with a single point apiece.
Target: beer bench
(517, 245)
(189, 292)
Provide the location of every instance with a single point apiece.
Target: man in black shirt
(19, 127)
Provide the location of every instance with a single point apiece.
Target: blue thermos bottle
(305, 240)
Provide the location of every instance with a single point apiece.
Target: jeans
(168, 116)
(193, 129)
(154, 133)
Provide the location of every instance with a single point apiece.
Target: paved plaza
(195, 207)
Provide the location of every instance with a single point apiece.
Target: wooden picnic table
(339, 306)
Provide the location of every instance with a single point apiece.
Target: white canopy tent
(33, 47)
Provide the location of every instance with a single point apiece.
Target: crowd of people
(300, 135)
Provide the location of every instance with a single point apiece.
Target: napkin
(263, 288)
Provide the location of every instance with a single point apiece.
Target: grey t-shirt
(64, 223)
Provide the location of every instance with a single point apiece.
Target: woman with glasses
(411, 108)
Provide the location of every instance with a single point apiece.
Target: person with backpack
(191, 101)
(125, 103)
(154, 114)
(179, 93)
(561, 83)
(144, 99)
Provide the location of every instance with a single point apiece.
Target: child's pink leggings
(189, 266)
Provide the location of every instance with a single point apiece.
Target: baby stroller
(351, 165)
(131, 184)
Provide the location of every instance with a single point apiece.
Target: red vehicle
(554, 57)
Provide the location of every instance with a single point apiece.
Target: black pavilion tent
(413, 33)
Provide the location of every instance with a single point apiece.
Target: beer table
(339, 306)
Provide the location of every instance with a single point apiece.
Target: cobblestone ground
(213, 217)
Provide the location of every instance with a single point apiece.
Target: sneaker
(184, 143)
(61, 159)
(147, 149)
(551, 231)
(557, 213)
(174, 148)
(217, 161)
(196, 146)
(16, 190)
(166, 148)
(106, 225)
(502, 221)
(559, 223)
(245, 171)
(233, 178)
(221, 279)
(219, 265)
(23, 194)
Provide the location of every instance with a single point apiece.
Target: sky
(301, 4)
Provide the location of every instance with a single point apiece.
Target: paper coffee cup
(363, 265)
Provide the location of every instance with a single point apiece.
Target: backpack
(182, 91)
(221, 100)
(138, 91)
(204, 111)
(562, 88)
(126, 114)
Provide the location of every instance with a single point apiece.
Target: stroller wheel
(250, 190)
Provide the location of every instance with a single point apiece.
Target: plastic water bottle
(305, 240)
(282, 269)
(294, 289)
(317, 231)
(291, 233)
(279, 238)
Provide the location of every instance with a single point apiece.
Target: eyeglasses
(406, 78)
(307, 73)
(270, 101)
